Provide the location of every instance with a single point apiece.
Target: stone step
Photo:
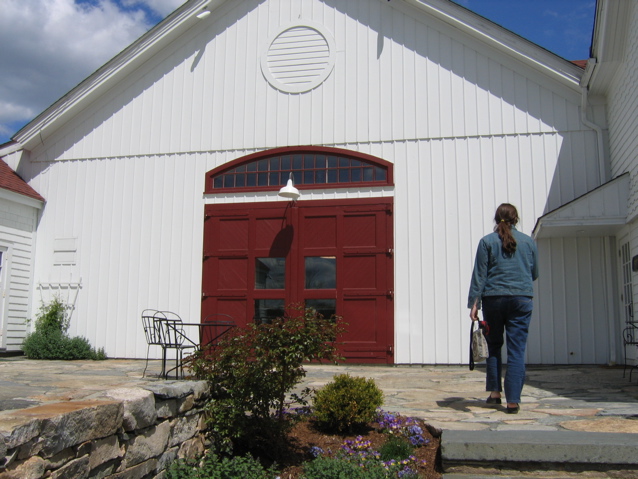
(520, 452)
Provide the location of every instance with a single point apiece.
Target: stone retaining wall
(131, 433)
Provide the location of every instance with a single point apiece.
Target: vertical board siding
(623, 122)
(623, 144)
(397, 75)
(144, 216)
(139, 227)
(465, 127)
(564, 331)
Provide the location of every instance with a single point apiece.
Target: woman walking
(502, 284)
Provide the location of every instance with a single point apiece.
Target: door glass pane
(268, 309)
(325, 307)
(270, 273)
(321, 272)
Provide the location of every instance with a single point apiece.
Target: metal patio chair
(172, 335)
(152, 334)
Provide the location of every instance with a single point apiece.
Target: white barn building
(405, 123)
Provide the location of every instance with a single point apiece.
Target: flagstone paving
(555, 398)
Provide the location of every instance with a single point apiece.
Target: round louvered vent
(299, 58)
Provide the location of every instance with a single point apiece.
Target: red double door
(333, 256)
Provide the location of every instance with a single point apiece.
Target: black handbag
(478, 344)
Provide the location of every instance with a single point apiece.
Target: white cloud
(49, 46)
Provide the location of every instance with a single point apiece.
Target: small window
(321, 272)
(270, 273)
(313, 169)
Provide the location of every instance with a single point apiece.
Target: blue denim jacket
(498, 274)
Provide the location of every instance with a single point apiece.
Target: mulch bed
(304, 436)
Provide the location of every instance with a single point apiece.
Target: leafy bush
(396, 447)
(50, 341)
(254, 368)
(215, 467)
(52, 317)
(346, 403)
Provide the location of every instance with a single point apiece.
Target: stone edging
(122, 434)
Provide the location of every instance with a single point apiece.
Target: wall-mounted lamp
(203, 14)
(289, 191)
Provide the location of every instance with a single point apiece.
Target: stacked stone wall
(132, 433)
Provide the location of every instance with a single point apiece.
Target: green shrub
(215, 467)
(252, 371)
(52, 317)
(346, 403)
(334, 468)
(56, 345)
(397, 448)
(50, 341)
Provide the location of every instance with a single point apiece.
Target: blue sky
(563, 27)
(49, 46)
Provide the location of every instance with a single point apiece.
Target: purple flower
(316, 451)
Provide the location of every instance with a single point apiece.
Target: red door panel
(344, 247)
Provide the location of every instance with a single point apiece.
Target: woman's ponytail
(506, 216)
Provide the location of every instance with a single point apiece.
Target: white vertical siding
(397, 75)
(466, 128)
(565, 331)
(139, 227)
(17, 226)
(623, 145)
(623, 121)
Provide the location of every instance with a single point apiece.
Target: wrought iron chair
(173, 336)
(153, 335)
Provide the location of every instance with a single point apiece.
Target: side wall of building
(466, 127)
(622, 102)
(17, 243)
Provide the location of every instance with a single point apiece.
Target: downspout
(608, 254)
(584, 88)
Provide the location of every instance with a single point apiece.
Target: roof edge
(31, 134)
(503, 39)
(619, 188)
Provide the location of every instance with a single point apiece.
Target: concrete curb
(524, 447)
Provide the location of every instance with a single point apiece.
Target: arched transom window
(311, 167)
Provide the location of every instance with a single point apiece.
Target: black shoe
(512, 410)
(491, 400)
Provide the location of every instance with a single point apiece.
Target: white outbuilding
(403, 125)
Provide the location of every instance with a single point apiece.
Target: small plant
(346, 403)
(52, 317)
(396, 447)
(252, 371)
(357, 459)
(395, 424)
(50, 341)
(214, 467)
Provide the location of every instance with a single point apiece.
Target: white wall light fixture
(289, 191)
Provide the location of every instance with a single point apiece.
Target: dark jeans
(509, 314)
